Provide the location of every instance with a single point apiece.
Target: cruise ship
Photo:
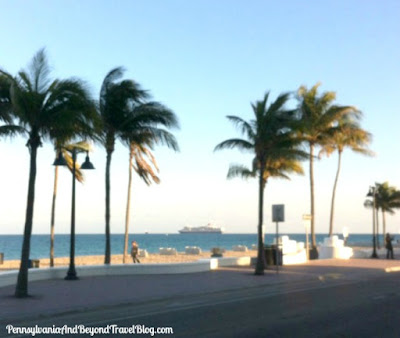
(207, 229)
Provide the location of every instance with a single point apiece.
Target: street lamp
(60, 160)
(372, 193)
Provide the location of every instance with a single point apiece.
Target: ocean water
(94, 244)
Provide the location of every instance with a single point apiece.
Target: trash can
(217, 252)
(33, 263)
(270, 254)
(1, 258)
(313, 253)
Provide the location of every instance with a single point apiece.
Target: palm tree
(60, 148)
(146, 167)
(347, 134)
(387, 199)
(317, 116)
(44, 109)
(125, 114)
(6, 114)
(270, 138)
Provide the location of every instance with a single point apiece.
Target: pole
(307, 244)
(71, 274)
(374, 254)
(277, 258)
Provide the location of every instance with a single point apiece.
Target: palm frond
(333, 114)
(235, 143)
(147, 167)
(39, 72)
(152, 113)
(243, 126)
(11, 130)
(163, 137)
(78, 173)
(238, 170)
(279, 103)
(25, 81)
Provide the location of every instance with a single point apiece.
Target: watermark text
(92, 331)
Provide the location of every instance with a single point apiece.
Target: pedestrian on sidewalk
(389, 246)
(134, 252)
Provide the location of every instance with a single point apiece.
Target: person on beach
(134, 252)
(389, 246)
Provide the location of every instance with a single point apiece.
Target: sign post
(278, 215)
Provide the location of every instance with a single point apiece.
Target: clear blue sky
(205, 60)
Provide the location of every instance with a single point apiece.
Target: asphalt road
(329, 307)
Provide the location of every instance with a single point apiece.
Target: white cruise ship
(207, 229)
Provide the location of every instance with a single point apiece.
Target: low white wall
(202, 265)
(328, 252)
(297, 258)
(232, 261)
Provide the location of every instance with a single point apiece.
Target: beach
(181, 257)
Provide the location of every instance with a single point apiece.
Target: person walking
(134, 252)
(389, 246)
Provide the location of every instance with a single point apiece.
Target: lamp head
(60, 160)
(87, 165)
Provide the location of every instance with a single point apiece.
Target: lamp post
(71, 274)
(372, 193)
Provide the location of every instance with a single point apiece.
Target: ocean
(94, 244)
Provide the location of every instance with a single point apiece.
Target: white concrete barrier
(333, 247)
(143, 253)
(240, 248)
(362, 253)
(299, 257)
(202, 265)
(192, 250)
(292, 252)
(232, 261)
(168, 251)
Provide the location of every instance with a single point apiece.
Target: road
(331, 306)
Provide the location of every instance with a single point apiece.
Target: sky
(206, 60)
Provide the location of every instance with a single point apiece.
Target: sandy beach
(181, 257)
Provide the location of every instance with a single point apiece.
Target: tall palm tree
(347, 134)
(387, 199)
(125, 114)
(44, 109)
(317, 115)
(270, 138)
(78, 176)
(146, 167)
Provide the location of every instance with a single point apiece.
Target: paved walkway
(60, 296)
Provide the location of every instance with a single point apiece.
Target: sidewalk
(60, 296)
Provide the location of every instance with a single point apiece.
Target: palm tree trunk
(53, 214)
(313, 238)
(377, 228)
(384, 222)
(128, 203)
(107, 257)
(21, 289)
(334, 193)
(260, 265)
